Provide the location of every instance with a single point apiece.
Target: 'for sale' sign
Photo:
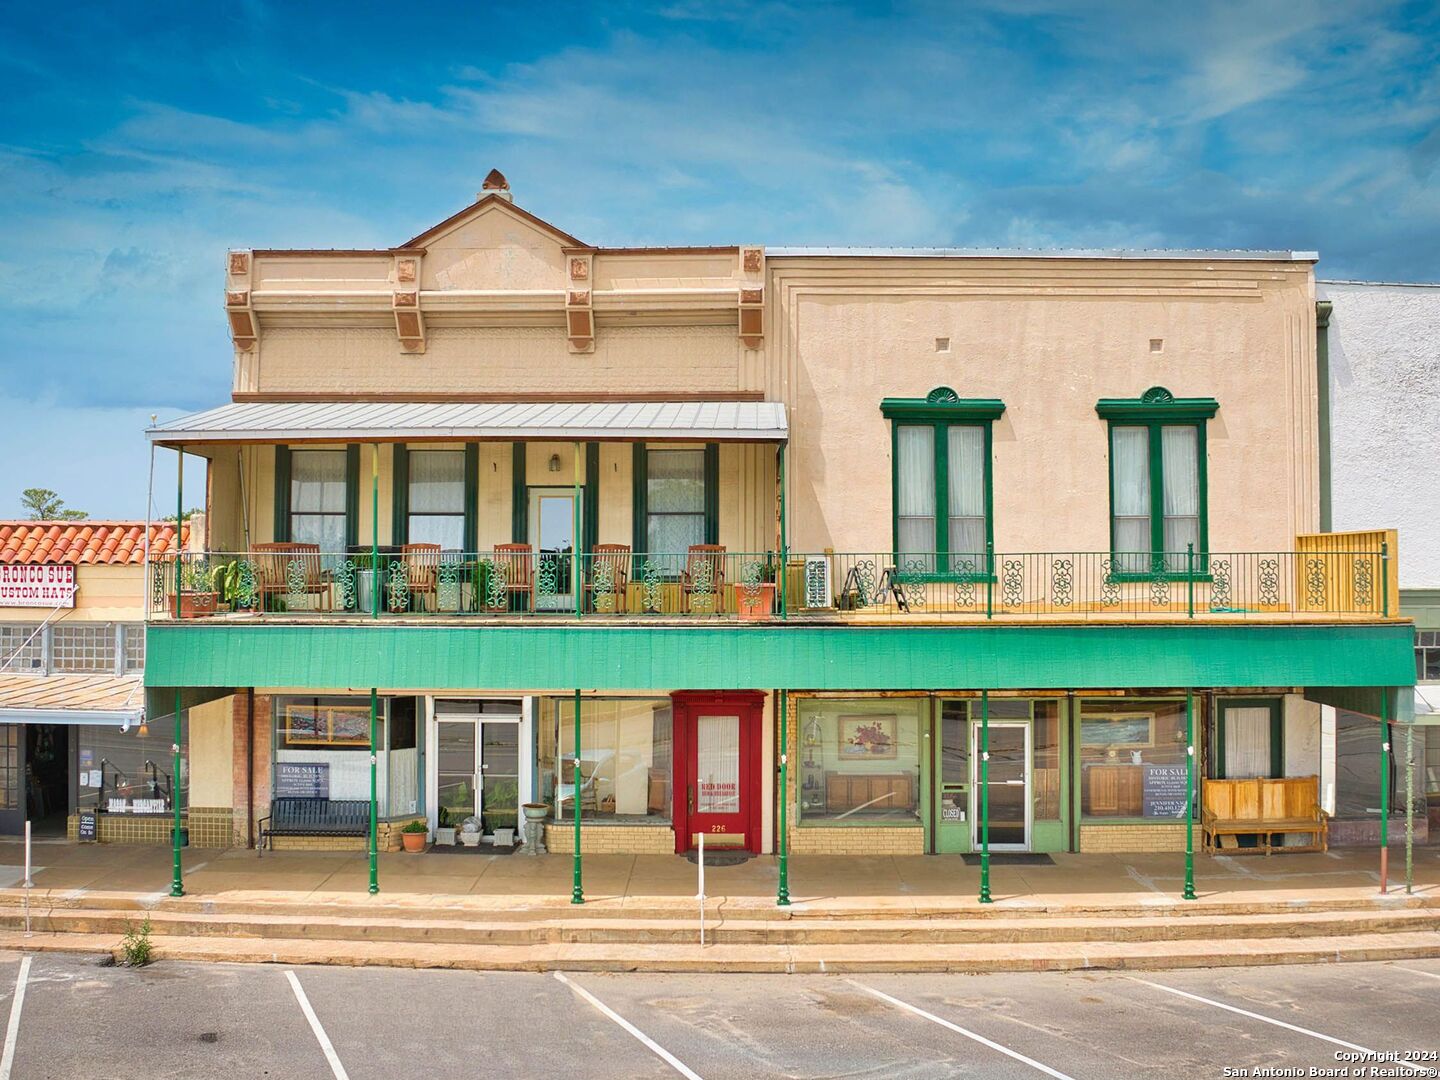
(24, 585)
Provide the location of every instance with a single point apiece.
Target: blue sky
(139, 142)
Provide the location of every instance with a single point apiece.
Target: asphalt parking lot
(79, 1020)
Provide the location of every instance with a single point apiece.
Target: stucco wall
(1385, 424)
(1049, 339)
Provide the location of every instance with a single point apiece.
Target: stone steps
(727, 930)
(832, 959)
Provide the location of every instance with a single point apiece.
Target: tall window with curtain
(1157, 481)
(674, 502)
(437, 498)
(1248, 739)
(1155, 496)
(941, 496)
(317, 498)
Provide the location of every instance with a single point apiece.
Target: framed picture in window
(325, 725)
(1121, 730)
(868, 738)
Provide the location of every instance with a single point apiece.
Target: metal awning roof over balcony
(372, 421)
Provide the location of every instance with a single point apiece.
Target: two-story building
(798, 529)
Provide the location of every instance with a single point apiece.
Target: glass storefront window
(1045, 748)
(860, 759)
(1357, 767)
(129, 770)
(1132, 758)
(625, 758)
(322, 749)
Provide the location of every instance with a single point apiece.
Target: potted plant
(413, 835)
(755, 592)
(196, 597)
(444, 831)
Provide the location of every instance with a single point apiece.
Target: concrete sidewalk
(821, 885)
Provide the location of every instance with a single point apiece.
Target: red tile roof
(110, 543)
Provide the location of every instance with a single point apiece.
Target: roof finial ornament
(496, 184)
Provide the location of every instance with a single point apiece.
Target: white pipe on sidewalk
(28, 883)
(701, 894)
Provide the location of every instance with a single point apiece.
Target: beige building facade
(914, 502)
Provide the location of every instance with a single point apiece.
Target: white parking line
(650, 1044)
(1417, 971)
(12, 1029)
(1277, 1023)
(960, 1030)
(321, 1037)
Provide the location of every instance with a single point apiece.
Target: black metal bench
(291, 816)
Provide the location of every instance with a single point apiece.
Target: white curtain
(317, 498)
(437, 498)
(967, 498)
(1247, 742)
(1180, 462)
(1130, 463)
(915, 469)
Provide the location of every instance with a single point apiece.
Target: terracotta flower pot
(759, 606)
(413, 841)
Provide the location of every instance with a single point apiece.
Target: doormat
(720, 858)
(481, 849)
(1012, 858)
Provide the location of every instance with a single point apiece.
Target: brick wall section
(209, 827)
(1134, 839)
(611, 839)
(240, 766)
(260, 734)
(837, 839)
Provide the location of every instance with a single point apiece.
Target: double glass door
(1009, 786)
(478, 770)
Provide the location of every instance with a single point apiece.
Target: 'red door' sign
(50, 585)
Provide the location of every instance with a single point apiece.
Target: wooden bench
(1263, 809)
(291, 816)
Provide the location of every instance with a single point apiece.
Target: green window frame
(283, 526)
(640, 496)
(404, 513)
(1154, 412)
(1277, 732)
(938, 413)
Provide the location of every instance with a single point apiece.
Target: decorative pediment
(1157, 404)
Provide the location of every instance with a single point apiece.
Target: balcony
(1327, 578)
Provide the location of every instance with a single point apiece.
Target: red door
(717, 766)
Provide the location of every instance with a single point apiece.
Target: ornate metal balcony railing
(296, 581)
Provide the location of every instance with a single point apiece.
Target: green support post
(576, 545)
(177, 882)
(1190, 579)
(985, 797)
(1410, 807)
(375, 530)
(989, 580)
(784, 540)
(1189, 893)
(782, 897)
(577, 894)
(1385, 578)
(1384, 790)
(374, 799)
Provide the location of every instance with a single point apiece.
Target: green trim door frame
(400, 495)
(519, 504)
(1277, 731)
(280, 528)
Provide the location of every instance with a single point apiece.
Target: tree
(46, 505)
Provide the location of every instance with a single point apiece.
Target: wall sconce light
(554, 462)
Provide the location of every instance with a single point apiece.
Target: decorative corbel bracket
(579, 302)
(405, 304)
(752, 297)
(239, 307)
